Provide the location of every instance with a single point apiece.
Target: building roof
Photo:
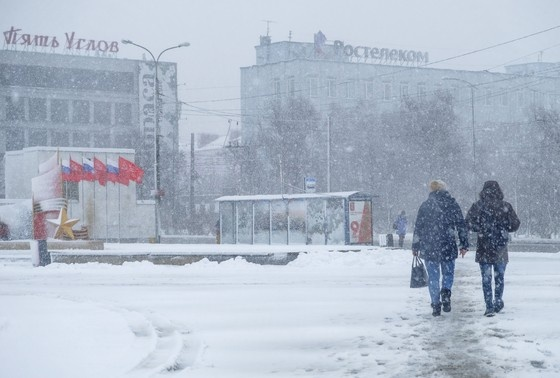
(354, 195)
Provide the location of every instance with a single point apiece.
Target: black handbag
(418, 275)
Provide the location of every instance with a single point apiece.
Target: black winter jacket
(492, 219)
(439, 219)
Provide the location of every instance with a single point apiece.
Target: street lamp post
(472, 87)
(157, 189)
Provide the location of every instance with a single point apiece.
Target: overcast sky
(223, 33)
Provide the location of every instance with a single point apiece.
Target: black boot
(498, 305)
(437, 309)
(446, 299)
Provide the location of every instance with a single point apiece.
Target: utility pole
(328, 154)
(191, 192)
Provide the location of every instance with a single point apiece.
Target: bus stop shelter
(340, 218)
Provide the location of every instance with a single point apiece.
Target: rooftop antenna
(290, 36)
(268, 22)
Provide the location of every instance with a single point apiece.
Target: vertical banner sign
(360, 222)
(167, 102)
(146, 92)
(168, 109)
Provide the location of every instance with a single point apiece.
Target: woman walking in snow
(492, 219)
(434, 240)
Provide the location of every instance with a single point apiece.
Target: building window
(123, 114)
(59, 111)
(504, 97)
(369, 89)
(80, 111)
(37, 138)
(15, 139)
(60, 139)
(291, 86)
(421, 91)
(313, 87)
(277, 87)
(404, 90)
(15, 108)
(37, 109)
(81, 139)
(71, 190)
(387, 96)
(351, 89)
(488, 97)
(537, 98)
(125, 140)
(344, 89)
(102, 113)
(331, 87)
(102, 140)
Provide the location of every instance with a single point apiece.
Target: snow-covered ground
(326, 314)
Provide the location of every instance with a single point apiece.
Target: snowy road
(323, 315)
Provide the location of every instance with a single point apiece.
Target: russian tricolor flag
(71, 171)
(112, 171)
(66, 169)
(87, 168)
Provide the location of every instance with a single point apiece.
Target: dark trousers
(401, 241)
(486, 272)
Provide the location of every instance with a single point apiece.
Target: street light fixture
(157, 190)
(472, 87)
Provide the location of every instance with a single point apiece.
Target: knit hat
(436, 185)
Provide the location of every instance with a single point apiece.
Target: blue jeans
(448, 273)
(486, 272)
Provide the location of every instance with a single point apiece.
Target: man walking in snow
(492, 219)
(400, 226)
(439, 219)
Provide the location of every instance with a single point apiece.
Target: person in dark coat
(4, 231)
(492, 219)
(438, 222)
(400, 225)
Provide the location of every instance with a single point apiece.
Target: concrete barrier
(71, 257)
(54, 244)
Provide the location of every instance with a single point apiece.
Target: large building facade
(83, 99)
(343, 74)
(75, 94)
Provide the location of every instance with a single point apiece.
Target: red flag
(130, 171)
(100, 171)
(76, 173)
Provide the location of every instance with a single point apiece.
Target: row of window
(66, 78)
(17, 138)
(346, 89)
(351, 89)
(67, 111)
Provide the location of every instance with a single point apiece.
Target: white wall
(110, 212)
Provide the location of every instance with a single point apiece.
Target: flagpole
(106, 205)
(119, 218)
(94, 204)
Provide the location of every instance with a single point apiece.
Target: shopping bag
(418, 275)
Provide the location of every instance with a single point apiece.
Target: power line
(435, 62)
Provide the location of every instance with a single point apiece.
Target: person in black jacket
(4, 231)
(492, 219)
(438, 221)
